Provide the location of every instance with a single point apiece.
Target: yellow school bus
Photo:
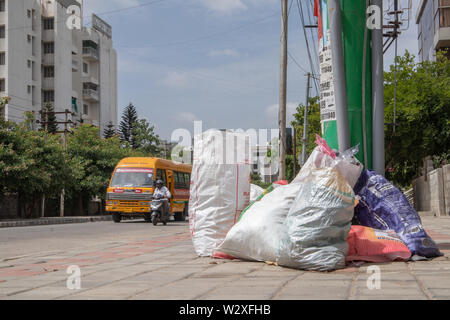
(132, 184)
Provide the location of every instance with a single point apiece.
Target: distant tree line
(33, 163)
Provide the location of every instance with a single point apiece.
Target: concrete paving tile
(389, 291)
(442, 293)
(88, 297)
(321, 276)
(314, 290)
(45, 293)
(244, 291)
(235, 296)
(174, 292)
(9, 290)
(388, 276)
(391, 284)
(394, 297)
(303, 296)
(435, 282)
(256, 283)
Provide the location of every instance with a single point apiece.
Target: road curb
(52, 220)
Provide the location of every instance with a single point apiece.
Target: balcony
(48, 59)
(48, 35)
(90, 95)
(74, 65)
(89, 79)
(90, 54)
(48, 83)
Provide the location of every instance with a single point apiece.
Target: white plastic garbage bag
(318, 223)
(220, 187)
(345, 162)
(256, 236)
(255, 192)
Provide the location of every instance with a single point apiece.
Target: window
(49, 23)
(2, 5)
(2, 85)
(2, 58)
(161, 175)
(2, 32)
(180, 180)
(49, 96)
(29, 13)
(29, 63)
(85, 109)
(187, 178)
(85, 67)
(33, 71)
(49, 47)
(49, 72)
(29, 89)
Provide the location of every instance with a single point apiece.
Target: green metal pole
(353, 17)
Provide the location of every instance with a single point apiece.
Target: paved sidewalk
(145, 262)
(51, 220)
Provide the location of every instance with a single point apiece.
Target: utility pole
(43, 196)
(305, 122)
(378, 95)
(61, 200)
(65, 123)
(339, 77)
(282, 102)
(294, 146)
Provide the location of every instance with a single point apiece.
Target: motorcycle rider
(162, 192)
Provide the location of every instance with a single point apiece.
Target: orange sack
(372, 245)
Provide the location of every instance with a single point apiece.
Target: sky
(217, 61)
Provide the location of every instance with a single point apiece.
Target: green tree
(129, 118)
(145, 139)
(31, 164)
(3, 101)
(109, 131)
(48, 116)
(255, 177)
(93, 160)
(422, 116)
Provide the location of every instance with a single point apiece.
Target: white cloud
(224, 6)
(176, 79)
(271, 113)
(225, 52)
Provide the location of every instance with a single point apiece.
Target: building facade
(433, 20)
(47, 56)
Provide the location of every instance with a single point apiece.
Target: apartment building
(43, 60)
(433, 20)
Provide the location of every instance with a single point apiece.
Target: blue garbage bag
(383, 206)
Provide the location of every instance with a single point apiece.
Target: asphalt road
(35, 240)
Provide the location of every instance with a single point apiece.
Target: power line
(298, 64)
(208, 36)
(98, 14)
(300, 10)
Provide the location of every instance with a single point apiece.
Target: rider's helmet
(159, 183)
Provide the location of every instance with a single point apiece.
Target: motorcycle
(156, 210)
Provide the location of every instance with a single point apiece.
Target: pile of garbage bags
(306, 224)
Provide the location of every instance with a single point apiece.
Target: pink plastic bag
(324, 147)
